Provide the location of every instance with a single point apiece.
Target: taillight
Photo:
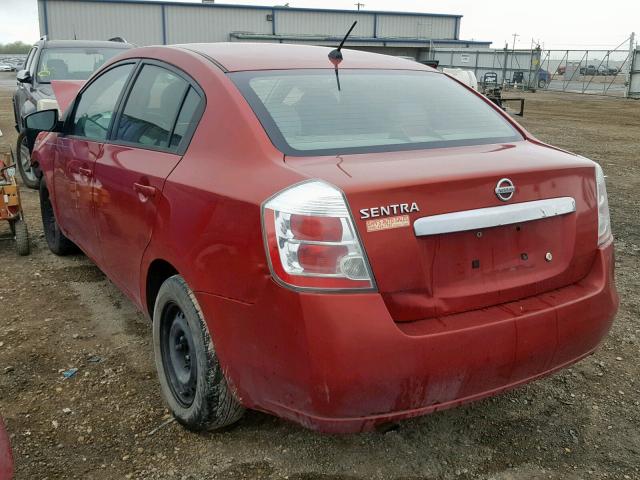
(604, 219)
(311, 239)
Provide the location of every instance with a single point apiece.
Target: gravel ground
(62, 313)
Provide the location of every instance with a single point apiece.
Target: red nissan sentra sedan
(340, 247)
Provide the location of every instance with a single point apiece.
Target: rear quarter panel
(208, 224)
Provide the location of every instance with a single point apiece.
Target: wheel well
(159, 271)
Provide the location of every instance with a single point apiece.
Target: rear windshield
(72, 63)
(305, 112)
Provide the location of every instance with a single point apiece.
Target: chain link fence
(613, 72)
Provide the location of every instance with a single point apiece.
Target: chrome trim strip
(493, 216)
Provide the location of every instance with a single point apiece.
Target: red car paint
(6, 459)
(433, 334)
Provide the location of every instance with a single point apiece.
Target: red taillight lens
(311, 240)
(327, 229)
(321, 258)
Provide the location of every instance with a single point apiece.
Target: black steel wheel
(179, 356)
(191, 378)
(28, 172)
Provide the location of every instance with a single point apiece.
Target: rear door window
(95, 110)
(186, 119)
(152, 107)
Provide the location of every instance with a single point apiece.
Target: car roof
(239, 56)
(85, 43)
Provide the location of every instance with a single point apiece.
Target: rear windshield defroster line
(305, 114)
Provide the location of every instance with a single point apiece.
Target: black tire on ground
(29, 174)
(58, 243)
(542, 83)
(190, 375)
(21, 234)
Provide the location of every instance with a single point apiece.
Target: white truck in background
(465, 76)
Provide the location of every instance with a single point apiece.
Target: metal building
(156, 22)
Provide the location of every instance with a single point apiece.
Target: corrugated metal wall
(140, 24)
(323, 23)
(634, 73)
(157, 23)
(409, 26)
(504, 64)
(197, 24)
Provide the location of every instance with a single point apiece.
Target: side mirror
(23, 76)
(42, 121)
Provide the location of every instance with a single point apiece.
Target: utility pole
(359, 5)
(513, 53)
(504, 62)
(631, 62)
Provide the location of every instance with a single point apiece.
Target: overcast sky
(556, 23)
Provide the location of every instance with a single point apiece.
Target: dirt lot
(61, 313)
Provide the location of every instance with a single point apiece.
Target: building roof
(236, 56)
(86, 43)
(388, 41)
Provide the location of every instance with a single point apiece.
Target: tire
(195, 389)
(21, 233)
(56, 240)
(542, 83)
(29, 174)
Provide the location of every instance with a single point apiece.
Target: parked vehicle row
(591, 70)
(598, 70)
(10, 63)
(338, 238)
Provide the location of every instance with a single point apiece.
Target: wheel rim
(25, 161)
(178, 354)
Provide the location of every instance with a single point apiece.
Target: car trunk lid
(436, 274)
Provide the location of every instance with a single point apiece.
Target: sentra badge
(386, 210)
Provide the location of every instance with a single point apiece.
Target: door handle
(145, 190)
(87, 172)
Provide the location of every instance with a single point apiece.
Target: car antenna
(335, 56)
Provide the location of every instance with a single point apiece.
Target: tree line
(14, 47)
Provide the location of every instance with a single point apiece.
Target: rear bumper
(338, 363)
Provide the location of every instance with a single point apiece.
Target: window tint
(152, 107)
(98, 102)
(305, 113)
(186, 117)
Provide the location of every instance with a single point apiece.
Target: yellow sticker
(388, 223)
